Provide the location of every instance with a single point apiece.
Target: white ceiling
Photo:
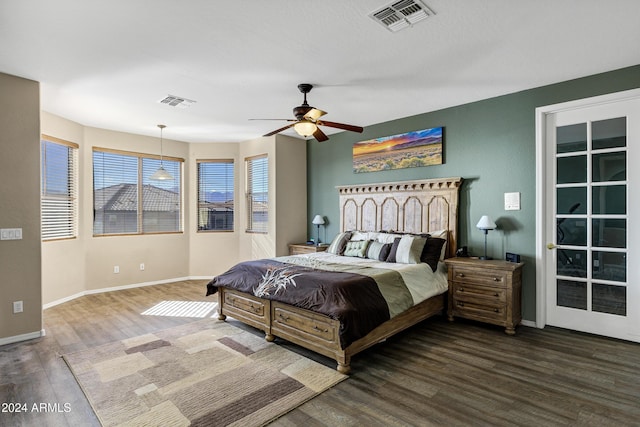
(107, 64)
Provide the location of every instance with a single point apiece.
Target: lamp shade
(486, 223)
(305, 127)
(161, 175)
(318, 220)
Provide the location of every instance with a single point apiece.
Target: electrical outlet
(116, 269)
(142, 266)
(18, 307)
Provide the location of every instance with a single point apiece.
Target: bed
(273, 294)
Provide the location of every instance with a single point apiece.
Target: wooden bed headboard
(407, 206)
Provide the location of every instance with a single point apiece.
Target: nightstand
(485, 290)
(304, 248)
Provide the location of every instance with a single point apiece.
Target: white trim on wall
(541, 196)
(22, 337)
(119, 288)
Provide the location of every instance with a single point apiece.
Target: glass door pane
(591, 210)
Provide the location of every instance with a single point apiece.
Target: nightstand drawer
(480, 311)
(469, 292)
(486, 277)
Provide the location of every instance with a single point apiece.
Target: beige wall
(213, 252)
(291, 192)
(166, 256)
(20, 206)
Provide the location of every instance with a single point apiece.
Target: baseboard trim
(22, 337)
(529, 323)
(117, 288)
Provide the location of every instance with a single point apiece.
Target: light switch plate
(10, 233)
(512, 201)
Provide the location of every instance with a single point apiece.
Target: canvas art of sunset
(405, 150)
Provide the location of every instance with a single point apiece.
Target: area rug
(205, 373)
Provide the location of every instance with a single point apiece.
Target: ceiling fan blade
(314, 114)
(351, 128)
(320, 136)
(280, 120)
(279, 130)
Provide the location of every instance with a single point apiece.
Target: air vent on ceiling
(176, 101)
(401, 14)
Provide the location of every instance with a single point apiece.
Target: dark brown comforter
(356, 300)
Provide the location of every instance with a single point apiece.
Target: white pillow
(387, 237)
(359, 235)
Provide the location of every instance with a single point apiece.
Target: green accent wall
(490, 143)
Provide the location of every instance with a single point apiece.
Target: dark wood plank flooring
(437, 373)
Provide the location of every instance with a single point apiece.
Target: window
(215, 195)
(58, 188)
(127, 201)
(257, 194)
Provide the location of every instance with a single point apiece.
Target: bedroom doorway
(590, 232)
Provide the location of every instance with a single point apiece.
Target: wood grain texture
(417, 206)
(436, 373)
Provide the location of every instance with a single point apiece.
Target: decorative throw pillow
(393, 250)
(378, 251)
(357, 248)
(441, 234)
(339, 242)
(409, 249)
(431, 252)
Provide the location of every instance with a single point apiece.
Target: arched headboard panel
(420, 206)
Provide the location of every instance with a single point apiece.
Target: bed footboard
(313, 331)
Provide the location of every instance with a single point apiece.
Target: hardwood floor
(436, 373)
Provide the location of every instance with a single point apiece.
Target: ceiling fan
(307, 119)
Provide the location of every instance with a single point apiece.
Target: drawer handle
(497, 310)
(460, 274)
(497, 279)
(315, 327)
(285, 318)
(461, 290)
(496, 294)
(460, 304)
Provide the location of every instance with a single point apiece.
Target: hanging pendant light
(161, 174)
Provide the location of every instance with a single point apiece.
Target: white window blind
(58, 188)
(127, 201)
(257, 194)
(215, 195)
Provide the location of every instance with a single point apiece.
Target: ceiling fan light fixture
(305, 127)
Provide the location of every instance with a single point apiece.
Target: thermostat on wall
(512, 201)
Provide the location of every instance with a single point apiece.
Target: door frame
(541, 184)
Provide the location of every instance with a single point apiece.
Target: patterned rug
(206, 373)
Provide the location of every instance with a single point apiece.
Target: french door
(592, 231)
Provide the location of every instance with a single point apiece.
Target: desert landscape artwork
(405, 150)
